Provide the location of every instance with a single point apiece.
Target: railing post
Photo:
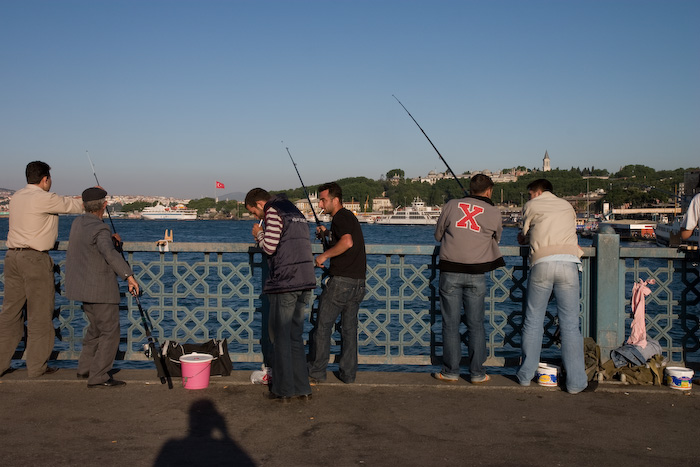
(608, 321)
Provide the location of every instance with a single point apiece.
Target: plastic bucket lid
(196, 358)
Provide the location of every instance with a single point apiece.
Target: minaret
(545, 162)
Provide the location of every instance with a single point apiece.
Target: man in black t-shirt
(344, 290)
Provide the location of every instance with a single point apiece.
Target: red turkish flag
(219, 185)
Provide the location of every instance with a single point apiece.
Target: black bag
(220, 366)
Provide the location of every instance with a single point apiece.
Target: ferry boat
(417, 214)
(669, 234)
(160, 212)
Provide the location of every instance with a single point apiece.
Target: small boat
(586, 227)
(633, 230)
(160, 212)
(366, 219)
(322, 217)
(417, 214)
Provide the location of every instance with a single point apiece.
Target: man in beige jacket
(29, 270)
(549, 227)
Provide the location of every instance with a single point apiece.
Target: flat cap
(93, 194)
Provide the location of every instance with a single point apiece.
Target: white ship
(160, 212)
(417, 214)
(670, 234)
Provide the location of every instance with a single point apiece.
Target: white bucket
(547, 374)
(679, 378)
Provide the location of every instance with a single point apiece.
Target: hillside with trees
(632, 185)
(637, 185)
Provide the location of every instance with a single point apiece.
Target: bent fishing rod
(324, 240)
(431, 143)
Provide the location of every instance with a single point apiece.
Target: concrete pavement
(384, 419)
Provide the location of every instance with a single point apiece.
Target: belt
(27, 248)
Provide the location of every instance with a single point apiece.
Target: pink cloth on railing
(638, 332)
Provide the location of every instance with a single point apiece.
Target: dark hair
(37, 170)
(541, 184)
(479, 184)
(334, 190)
(255, 195)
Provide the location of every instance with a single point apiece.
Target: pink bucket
(195, 370)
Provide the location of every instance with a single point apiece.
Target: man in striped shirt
(285, 239)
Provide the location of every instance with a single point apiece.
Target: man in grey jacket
(468, 230)
(92, 267)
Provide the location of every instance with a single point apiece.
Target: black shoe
(49, 370)
(274, 397)
(110, 383)
(82, 375)
(7, 372)
(305, 397)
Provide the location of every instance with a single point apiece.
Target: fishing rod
(431, 143)
(324, 240)
(118, 245)
(153, 348)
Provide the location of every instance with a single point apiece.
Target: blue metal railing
(198, 291)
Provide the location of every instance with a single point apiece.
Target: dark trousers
(101, 341)
(289, 375)
(341, 297)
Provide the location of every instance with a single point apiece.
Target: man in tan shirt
(28, 272)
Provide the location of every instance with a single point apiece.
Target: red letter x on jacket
(469, 219)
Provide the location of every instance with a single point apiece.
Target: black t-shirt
(353, 262)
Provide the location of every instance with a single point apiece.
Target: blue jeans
(562, 277)
(342, 296)
(289, 377)
(459, 290)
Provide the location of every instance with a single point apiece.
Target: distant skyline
(170, 96)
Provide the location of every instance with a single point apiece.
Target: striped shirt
(269, 238)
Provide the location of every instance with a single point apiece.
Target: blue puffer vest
(292, 265)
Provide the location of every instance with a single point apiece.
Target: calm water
(240, 231)
(136, 230)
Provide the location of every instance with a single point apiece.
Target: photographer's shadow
(207, 442)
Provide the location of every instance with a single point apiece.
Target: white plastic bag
(261, 376)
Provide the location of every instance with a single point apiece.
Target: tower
(545, 162)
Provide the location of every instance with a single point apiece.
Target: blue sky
(170, 96)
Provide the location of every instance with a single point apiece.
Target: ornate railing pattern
(198, 291)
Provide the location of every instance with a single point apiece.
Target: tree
(393, 172)
(201, 205)
(637, 171)
(136, 206)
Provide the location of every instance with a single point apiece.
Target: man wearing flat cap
(92, 267)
